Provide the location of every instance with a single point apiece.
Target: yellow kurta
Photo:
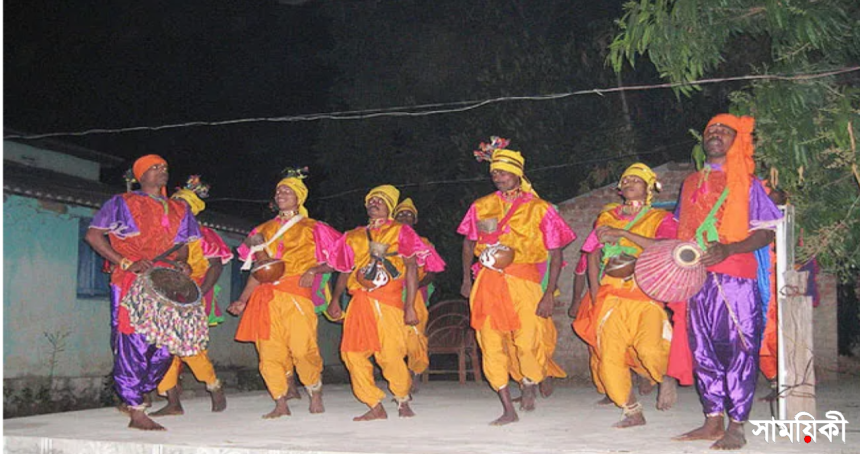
(290, 339)
(629, 322)
(386, 306)
(528, 342)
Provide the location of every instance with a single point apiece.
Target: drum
(164, 305)
(620, 266)
(268, 270)
(496, 257)
(670, 271)
(372, 276)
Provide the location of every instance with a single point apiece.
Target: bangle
(125, 263)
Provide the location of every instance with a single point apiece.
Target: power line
(470, 180)
(452, 107)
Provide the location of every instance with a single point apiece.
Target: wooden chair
(449, 333)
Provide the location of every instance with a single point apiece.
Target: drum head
(174, 286)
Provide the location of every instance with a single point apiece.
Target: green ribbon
(615, 249)
(707, 231)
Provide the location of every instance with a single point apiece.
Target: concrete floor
(451, 418)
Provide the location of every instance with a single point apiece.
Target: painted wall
(46, 159)
(40, 299)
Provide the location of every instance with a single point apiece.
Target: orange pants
(550, 340)
(416, 339)
(390, 358)
(292, 342)
(200, 366)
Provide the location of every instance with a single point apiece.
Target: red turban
(739, 169)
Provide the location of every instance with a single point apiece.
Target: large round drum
(164, 305)
(670, 270)
(372, 276)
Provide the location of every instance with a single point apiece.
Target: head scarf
(512, 162)
(406, 205)
(389, 194)
(194, 201)
(144, 163)
(298, 186)
(739, 169)
(647, 175)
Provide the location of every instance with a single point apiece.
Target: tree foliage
(806, 127)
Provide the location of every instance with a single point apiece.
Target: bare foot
(734, 438)
(506, 418)
(546, 387)
(316, 405)
(631, 420)
(509, 415)
(712, 429)
(281, 409)
(404, 411)
(173, 407)
(219, 400)
(292, 389)
(139, 420)
(377, 412)
(122, 408)
(606, 401)
(528, 398)
(667, 393)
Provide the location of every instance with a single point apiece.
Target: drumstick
(164, 255)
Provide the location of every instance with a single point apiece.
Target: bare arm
(593, 273)
(307, 278)
(468, 253)
(428, 279)
(579, 281)
(334, 311)
(236, 307)
(717, 252)
(547, 302)
(212, 274)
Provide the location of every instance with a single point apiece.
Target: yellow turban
(406, 205)
(647, 175)
(298, 186)
(194, 201)
(512, 162)
(389, 194)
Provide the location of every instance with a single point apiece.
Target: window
(93, 282)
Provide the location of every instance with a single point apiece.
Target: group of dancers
(512, 258)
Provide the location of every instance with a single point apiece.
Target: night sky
(72, 66)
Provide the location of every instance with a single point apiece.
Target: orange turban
(145, 163)
(739, 169)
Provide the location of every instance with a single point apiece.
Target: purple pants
(725, 328)
(137, 365)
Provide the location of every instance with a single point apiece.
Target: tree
(806, 127)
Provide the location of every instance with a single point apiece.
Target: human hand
(715, 253)
(409, 316)
(466, 288)
(545, 306)
(307, 279)
(607, 234)
(140, 266)
(236, 307)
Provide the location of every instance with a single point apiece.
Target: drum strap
(493, 237)
(707, 232)
(287, 226)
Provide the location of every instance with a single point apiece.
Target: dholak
(268, 270)
(670, 270)
(164, 305)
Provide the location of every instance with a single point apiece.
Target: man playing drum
(631, 330)
(280, 317)
(725, 209)
(416, 336)
(139, 225)
(207, 257)
(376, 263)
(512, 231)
